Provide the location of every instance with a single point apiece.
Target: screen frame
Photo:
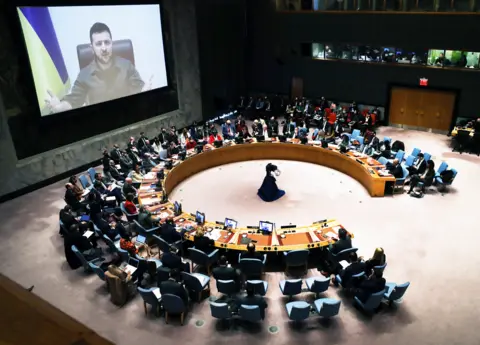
(197, 216)
(27, 56)
(176, 205)
(231, 220)
(264, 221)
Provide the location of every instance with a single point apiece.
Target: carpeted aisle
(431, 242)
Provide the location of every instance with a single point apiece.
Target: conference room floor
(431, 242)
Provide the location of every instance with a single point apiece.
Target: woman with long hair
(269, 191)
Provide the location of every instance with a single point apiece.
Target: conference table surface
(364, 169)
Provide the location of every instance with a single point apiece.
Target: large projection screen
(84, 55)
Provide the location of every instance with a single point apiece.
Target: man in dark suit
(128, 187)
(395, 168)
(419, 166)
(225, 272)
(344, 242)
(145, 218)
(356, 266)
(67, 218)
(115, 154)
(252, 299)
(173, 261)
(374, 284)
(169, 233)
(251, 253)
(172, 287)
(202, 242)
(114, 173)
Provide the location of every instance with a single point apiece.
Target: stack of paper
(215, 234)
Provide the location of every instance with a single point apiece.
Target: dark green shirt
(94, 85)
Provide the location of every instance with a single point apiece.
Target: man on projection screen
(106, 77)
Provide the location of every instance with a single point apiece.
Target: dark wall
(276, 56)
(222, 41)
(33, 134)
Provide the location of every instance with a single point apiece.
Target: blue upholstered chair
(355, 134)
(85, 263)
(296, 258)
(158, 262)
(327, 307)
(196, 282)
(372, 303)
(146, 232)
(382, 160)
(291, 287)
(174, 305)
(227, 287)
(221, 311)
(394, 293)
(343, 255)
(260, 287)
(298, 310)
(443, 166)
(415, 152)
(150, 298)
(387, 139)
(91, 174)
(442, 186)
(130, 216)
(380, 268)
(409, 161)
(123, 254)
(427, 156)
(161, 243)
(83, 181)
(112, 246)
(251, 268)
(97, 270)
(360, 140)
(200, 258)
(400, 182)
(317, 284)
(63, 228)
(250, 313)
(399, 155)
(263, 260)
(355, 278)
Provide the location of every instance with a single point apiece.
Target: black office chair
(122, 48)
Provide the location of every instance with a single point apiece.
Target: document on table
(88, 233)
(145, 187)
(150, 176)
(149, 201)
(215, 234)
(314, 237)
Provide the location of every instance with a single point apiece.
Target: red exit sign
(423, 82)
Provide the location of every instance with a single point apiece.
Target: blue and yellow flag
(46, 59)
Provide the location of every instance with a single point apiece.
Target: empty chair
(327, 307)
(399, 155)
(443, 166)
(298, 310)
(394, 293)
(145, 232)
(409, 161)
(97, 270)
(130, 216)
(196, 282)
(83, 181)
(355, 134)
(427, 156)
(291, 287)
(415, 152)
(317, 284)
(252, 268)
(158, 263)
(200, 258)
(382, 160)
(161, 243)
(173, 305)
(112, 246)
(91, 174)
(296, 258)
(220, 311)
(151, 297)
(85, 263)
(260, 287)
(372, 303)
(250, 313)
(227, 287)
(123, 254)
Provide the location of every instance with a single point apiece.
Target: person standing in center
(269, 190)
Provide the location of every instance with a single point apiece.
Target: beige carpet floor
(431, 242)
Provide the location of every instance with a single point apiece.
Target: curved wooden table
(363, 169)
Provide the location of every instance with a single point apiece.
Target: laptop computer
(140, 240)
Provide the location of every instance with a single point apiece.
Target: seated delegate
(426, 178)
(395, 168)
(202, 242)
(356, 266)
(225, 272)
(251, 253)
(168, 232)
(173, 261)
(129, 205)
(252, 299)
(419, 166)
(373, 284)
(378, 259)
(145, 218)
(344, 242)
(173, 287)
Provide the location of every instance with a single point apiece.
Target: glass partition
(318, 51)
(436, 57)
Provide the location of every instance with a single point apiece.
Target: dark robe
(269, 191)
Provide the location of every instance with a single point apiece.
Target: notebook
(88, 233)
(157, 293)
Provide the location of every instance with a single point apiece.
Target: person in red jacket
(213, 137)
(191, 143)
(129, 205)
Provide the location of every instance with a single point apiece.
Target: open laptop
(140, 240)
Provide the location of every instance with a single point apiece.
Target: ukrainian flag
(46, 59)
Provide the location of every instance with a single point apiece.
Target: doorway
(297, 88)
(414, 108)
